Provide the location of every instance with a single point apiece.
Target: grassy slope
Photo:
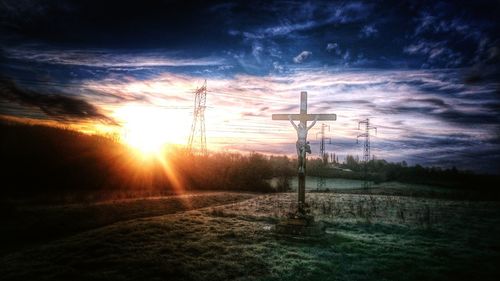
(401, 239)
(26, 225)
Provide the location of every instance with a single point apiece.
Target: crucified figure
(302, 144)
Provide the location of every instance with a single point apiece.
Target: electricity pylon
(366, 149)
(322, 152)
(198, 125)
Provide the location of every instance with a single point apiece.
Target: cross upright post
(302, 144)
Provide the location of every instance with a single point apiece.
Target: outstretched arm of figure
(313, 123)
(291, 121)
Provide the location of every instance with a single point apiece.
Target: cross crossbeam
(303, 116)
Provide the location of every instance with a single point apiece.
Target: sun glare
(148, 128)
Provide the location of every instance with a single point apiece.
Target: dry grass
(333, 207)
(25, 225)
(368, 238)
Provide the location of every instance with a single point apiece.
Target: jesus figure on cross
(302, 144)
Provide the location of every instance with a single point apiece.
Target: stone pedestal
(300, 225)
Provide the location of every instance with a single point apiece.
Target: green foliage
(226, 171)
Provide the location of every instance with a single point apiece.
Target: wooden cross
(303, 117)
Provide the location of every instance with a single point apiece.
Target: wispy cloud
(435, 52)
(106, 58)
(424, 115)
(299, 16)
(333, 47)
(300, 58)
(404, 104)
(368, 30)
(449, 38)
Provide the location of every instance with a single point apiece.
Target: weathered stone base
(300, 226)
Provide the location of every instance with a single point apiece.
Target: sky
(426, 73)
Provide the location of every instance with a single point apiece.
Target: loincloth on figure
(302, 144)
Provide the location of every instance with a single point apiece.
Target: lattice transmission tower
(322, 150)
(198, 125)
(366, 148)
(321, 184)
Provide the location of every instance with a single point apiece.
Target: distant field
(369, 237)
(351, 186)
(330, 183)
(413, 190)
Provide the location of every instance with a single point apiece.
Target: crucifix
(302, 144)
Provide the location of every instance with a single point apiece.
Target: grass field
(26, 224)
(220, 236)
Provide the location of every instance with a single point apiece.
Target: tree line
(379, 170)
(43, 160)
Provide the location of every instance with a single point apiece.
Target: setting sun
(147, 128)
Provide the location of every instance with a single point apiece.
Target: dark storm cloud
(58, 106)
(461, 157)
(173, 25)
(435, 108)
(430, 101)
(260, 37)
(447, 150)
(486, 69)
(475, 118)
(457, 140)
(449, 34)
